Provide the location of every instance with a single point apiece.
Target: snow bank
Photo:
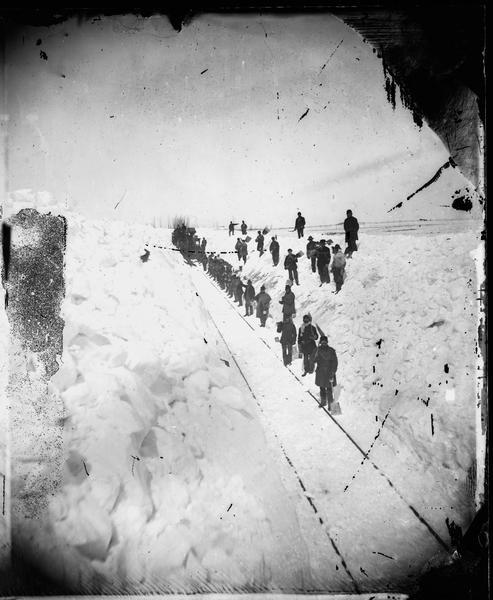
(167, 479)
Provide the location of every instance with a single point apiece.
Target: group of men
(299, 226)
(351, 227)
(318, 252)
(189, 243)
(243, 228)
(231, 282)
(321, 359)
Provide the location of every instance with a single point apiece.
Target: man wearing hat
(249, 298)
(288, 303)
(311, 252)
(323, 260)
(338, 267)
(288, 338)
(263, 303)
(291, 264)
(299, 225)
(243, 251)
(307, 336)
(326, 361)
(238, 248)
(260, 242)
(274, 250)
(351, 228)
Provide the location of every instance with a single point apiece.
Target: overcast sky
(206, 122)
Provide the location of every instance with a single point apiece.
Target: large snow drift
(168, 481)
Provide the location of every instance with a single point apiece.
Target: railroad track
(365, 455)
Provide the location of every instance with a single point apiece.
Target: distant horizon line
(338, 224)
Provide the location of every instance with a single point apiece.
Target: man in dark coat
(232, 286)
(243, 228)
(238, 247)
(249, 298)
(323, 260)
(326, 360)
(227, 280)
(274, 250)
(263, 303)
(299, 225)
(291, 264)
(232, 227)
(307, 336)
(239, 291)
(260, 243)
(288, 303)
(243, 251)
(288, 338)
(311, 252)
(351, 227)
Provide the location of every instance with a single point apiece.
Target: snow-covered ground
(183, 472)
(168, 480)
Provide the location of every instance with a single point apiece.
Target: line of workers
(322, 358)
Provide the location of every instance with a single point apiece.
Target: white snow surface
(168, 483)
(175, 476)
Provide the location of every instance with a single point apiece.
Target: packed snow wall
(167, 481)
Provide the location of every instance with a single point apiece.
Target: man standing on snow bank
(288, 338)
(274, 250)
(311, 252)
(287, 301)
(263, 303)
(323, 260)
(243, 227)
(232, 227)
(238, 248)
(338, 267)
(243, 251)
(291, 264)
(351, 227)
(249, 298)
(307, 336)
(326, 361)
(299, 225)
(260, 243)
